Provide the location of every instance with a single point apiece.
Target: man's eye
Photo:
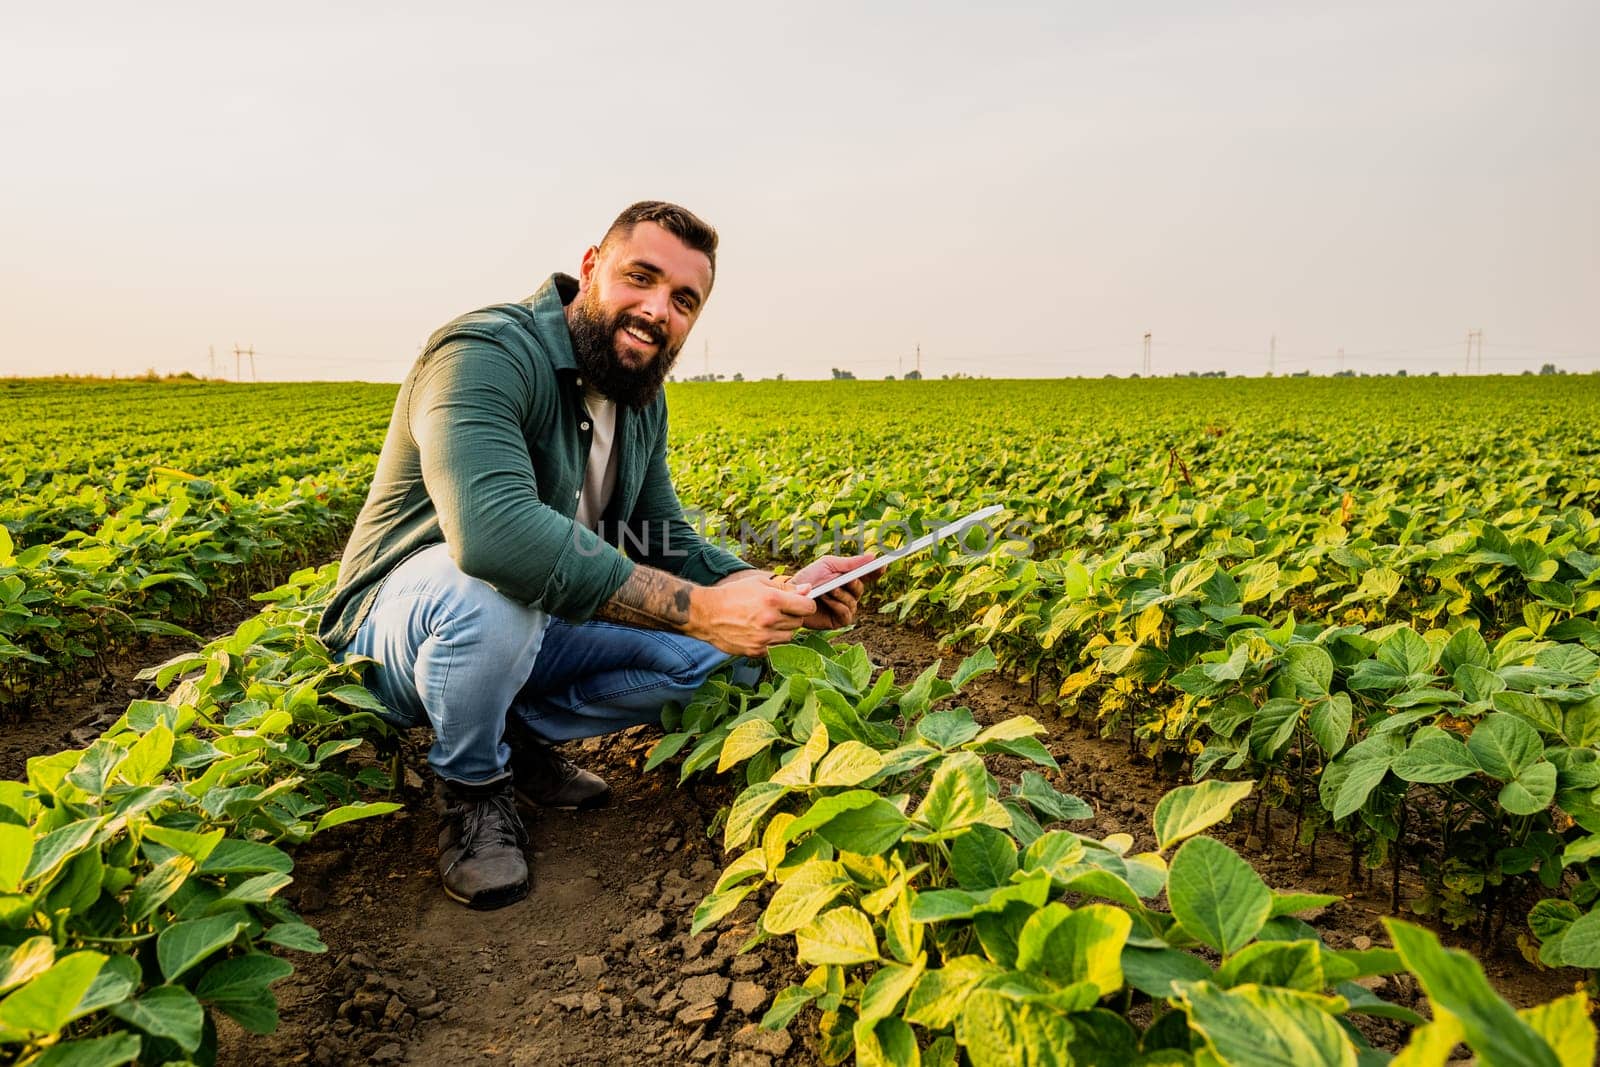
(685, 303)
(635, 276)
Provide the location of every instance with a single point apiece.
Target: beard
(594, 344)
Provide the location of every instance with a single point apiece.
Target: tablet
(925, 541)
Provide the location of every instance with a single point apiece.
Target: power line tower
(211, 350)
(1272, 357)
(1146, 364)
(237, 354)
(1474, 342)
(919, 360)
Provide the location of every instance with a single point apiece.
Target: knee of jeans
(698, 665)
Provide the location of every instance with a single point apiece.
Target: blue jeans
(456, 654)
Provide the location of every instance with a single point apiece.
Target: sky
(1019, 190)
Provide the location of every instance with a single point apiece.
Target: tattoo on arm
(650, 599)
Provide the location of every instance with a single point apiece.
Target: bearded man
(522, 571)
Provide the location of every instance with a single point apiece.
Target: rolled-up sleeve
(467, 413)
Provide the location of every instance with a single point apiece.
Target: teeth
(639, 335)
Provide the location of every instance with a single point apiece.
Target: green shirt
(486, 452)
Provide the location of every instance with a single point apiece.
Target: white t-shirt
(600, 475)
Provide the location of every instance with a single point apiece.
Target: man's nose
(655, 304)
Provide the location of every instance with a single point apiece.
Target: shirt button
(578, 495)
(583, 425)
(580, 381)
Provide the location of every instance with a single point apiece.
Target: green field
(1373, 603)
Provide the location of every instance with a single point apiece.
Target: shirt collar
(550, 318)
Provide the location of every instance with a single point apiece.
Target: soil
(76, 711)
(596, 966)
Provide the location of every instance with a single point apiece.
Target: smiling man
(522, 571)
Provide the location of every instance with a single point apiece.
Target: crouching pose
(522, 570)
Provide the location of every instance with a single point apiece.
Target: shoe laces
(493, 820)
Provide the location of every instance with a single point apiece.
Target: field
(1263, 728)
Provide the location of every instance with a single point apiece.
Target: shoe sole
(499, 898)
(587, 805)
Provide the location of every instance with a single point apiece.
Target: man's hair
(682, 223)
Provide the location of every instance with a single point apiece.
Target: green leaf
(1504, 745)
(1012, 728)
(1288, 964)
(238, 988)
(16, 850)
(998, 1031)
(808, 889)
(841, 936)
(1361, 778)
(980, 662)
(351, 812)
(294, 935)
(1216, 895)
(1580, 947)
(983, 858)
(1189, 809)
(848, 763)
(234, 856)
(936, 1001)
(1049, 802)
(359, 697)
(113, 1050)
(1309, 669)
(786, 1005)
(885, 990)
(149, 757)
(257, 890)
(182, 945)
(1466, 648)
(1455, 982)
(1257, 1026)
(1273, 726)
(167, 1011)
(744, 741)
(58, 846)
(868, 831)
(1330, 723)
(885, 1043)
(1153, 970)
(947, 729)
(162, 880)
(1436, 758)
(31, 958)
(1532, 790)
(957, 795)
(1566, 1025)
(45, 1004)
(1406, 652)
(748, 808)
(1071, 945)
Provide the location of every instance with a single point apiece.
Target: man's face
(637, 300)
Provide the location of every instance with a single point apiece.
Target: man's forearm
(651, 599)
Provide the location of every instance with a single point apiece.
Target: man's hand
(837, 608)
(749, 616)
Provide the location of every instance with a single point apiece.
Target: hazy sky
(1023, 189)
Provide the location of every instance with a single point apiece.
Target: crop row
(1240, 590)
(140, 876)
(948, 919)
(177, 542)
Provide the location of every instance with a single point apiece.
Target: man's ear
(586, 268)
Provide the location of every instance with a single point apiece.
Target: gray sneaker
(480, 845)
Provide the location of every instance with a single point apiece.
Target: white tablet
(925, 541)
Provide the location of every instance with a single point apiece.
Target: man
(484, 574)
